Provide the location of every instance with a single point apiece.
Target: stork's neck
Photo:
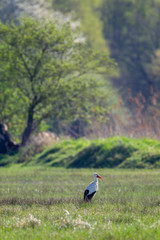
(96, 179)
(96, 183)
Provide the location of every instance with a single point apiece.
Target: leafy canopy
(46, 71)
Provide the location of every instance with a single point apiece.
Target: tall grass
(141, 119)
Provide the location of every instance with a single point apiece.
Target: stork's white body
(92, 188)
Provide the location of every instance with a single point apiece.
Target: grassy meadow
(47, 203)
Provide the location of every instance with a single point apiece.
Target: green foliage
(131, 28)
(89, 15)
(7, 160)
(52, 74)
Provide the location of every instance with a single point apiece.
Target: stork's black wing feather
(90, 196)
(85, 194)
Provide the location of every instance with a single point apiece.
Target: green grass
(114, 152)
(46, 203)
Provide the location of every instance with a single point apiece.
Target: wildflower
(67, 212)
(30, 221)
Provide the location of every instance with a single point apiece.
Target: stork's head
(97, 176)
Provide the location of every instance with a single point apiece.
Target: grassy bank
(46, 203)
(113, 152)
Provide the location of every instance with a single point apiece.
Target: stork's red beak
(98, 176)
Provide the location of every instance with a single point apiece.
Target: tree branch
(39, 61)
(25, 64)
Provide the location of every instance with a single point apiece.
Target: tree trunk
(6, 145)
(28, 130)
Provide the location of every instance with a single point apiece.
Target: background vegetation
(128, 30)
(124, 101)
(114, 152)
(79, 69)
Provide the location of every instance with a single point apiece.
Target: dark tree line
(132, 31)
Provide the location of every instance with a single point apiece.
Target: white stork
(92, 188)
